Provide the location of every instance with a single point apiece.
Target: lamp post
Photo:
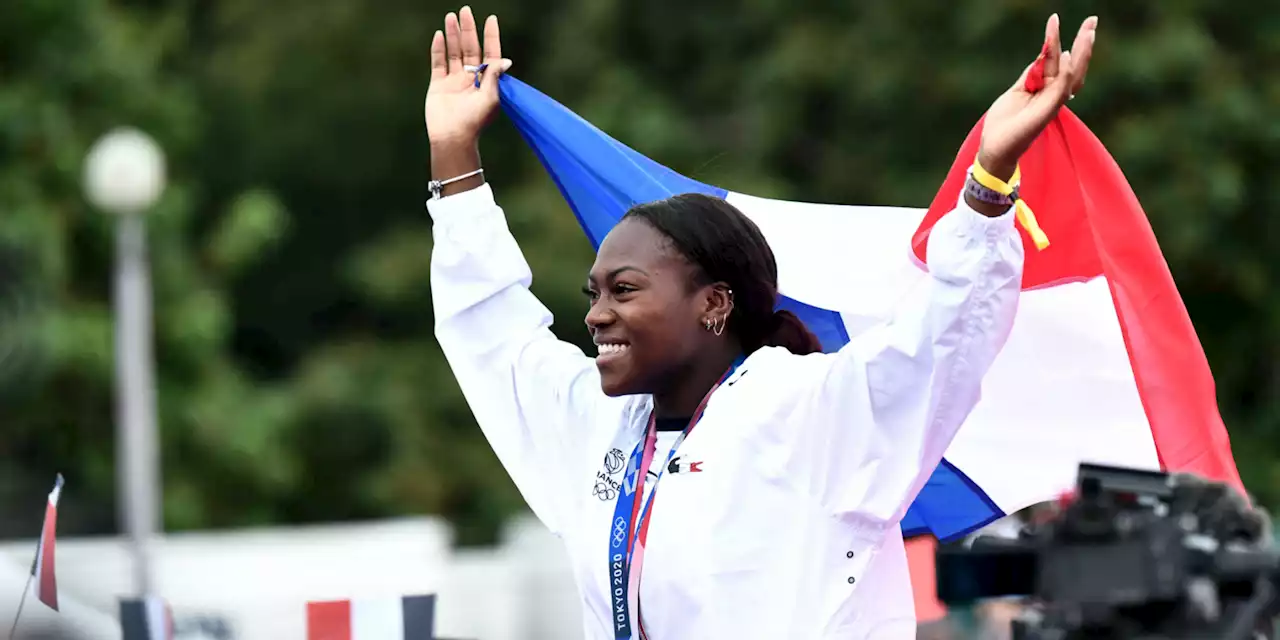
(124, 176)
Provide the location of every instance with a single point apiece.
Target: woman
(778, 514)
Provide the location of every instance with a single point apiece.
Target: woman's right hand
(456, 110)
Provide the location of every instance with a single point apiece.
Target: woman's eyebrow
(616, 272)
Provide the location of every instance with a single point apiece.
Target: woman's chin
(615, 385)
(613, 378)
(620, 376)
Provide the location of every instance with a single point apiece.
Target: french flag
(404, 618)
(1102, 364)
(42, 569)
(147, 618)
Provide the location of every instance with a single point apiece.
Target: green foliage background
(298, 377)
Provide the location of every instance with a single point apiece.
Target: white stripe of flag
(404, 618)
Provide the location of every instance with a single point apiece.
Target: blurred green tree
(71, 72)
(299, 377)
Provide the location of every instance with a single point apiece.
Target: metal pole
(14, 629)
(137, 455)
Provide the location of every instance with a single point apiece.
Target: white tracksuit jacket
(808, 463)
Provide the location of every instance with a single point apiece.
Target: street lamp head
(124, 172)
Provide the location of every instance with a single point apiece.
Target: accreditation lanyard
(630, 527)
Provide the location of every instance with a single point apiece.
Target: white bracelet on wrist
(436, 186)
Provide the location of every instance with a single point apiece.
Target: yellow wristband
(1021, 210)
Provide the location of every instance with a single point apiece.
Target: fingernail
(506, 64)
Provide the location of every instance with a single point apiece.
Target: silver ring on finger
(476, 69)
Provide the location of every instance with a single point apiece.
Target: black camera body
(1135, 555)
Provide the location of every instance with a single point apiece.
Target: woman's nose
(599, 315)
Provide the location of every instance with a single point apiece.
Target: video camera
(1134, 555)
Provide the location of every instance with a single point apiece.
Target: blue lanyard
(623, 534)
(619, 549)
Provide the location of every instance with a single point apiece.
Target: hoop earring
(720, 324)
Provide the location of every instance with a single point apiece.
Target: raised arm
(534, 396)
(886, 407)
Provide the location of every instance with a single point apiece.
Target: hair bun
(789, 331)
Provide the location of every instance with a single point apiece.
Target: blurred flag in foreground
(42, 569)
(148, 618)
(405, 618)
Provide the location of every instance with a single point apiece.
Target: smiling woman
(780, 512)
(680, 289)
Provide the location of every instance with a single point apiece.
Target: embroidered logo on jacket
(606, 487)
(613, 461)
(677, 466)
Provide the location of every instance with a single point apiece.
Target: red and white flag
(404, 618)
(42, 570)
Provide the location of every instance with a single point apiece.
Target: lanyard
(630, 527)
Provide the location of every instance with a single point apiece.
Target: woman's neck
(687, 389)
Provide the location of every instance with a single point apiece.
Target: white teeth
(609, 349)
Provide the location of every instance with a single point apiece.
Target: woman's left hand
(1018, 116)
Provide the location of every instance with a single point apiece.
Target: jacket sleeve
(533, 396)
(878, 415)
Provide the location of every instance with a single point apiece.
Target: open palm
(1019, 115)
(456, 110)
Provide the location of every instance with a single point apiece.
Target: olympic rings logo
(619, 531)
(604, 491)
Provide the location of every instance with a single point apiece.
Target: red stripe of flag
(42, 568)
(47, 589)
(1097, 227)
(329, 620)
